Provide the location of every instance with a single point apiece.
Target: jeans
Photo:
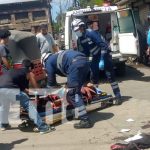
(31, 109)
(9, 95)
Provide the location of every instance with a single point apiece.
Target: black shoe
(118, 101)
(83, 124)
(5, 126)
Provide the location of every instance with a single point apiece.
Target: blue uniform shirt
(92, 43)
(67, 60)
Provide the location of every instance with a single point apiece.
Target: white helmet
(76, 23)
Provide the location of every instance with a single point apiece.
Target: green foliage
(55, 27)
(85, 3)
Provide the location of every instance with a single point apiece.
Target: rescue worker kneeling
(75, 66)
(9, 83)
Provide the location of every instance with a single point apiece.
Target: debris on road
(135, 137)
(130, 120)
(124, 130)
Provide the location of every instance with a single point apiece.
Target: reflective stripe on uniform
(95, 50)
(115, 87)
(60, 61)
(103, 52)
(90, 58)
(83, 112)
(114, 83)
(108, 73)
(85, 40)
(45, 57)
(80, 111)
(81, 108)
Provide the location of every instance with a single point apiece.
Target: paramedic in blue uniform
(11, 83)
(75, 66)
(94, 46)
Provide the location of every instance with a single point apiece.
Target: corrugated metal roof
(14, 1)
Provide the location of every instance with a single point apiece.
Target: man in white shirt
(47, 45)
(46, 41)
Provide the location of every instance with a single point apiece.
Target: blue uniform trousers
(77, 73)
(109, 71)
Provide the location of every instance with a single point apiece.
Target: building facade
(25, 15)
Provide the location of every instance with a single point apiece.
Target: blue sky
(55, 6)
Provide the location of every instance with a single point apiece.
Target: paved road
(135, 89)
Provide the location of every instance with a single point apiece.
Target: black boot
(83, 124)
(118, 101)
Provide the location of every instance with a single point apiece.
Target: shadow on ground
(99, 116)
(132, 73)
(10, 146)
(126, 98)
(95, 116)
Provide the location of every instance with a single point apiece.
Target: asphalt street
(135, 89)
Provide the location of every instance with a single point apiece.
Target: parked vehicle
(124, 39)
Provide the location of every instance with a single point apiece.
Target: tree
(59, 21)
(85, 3)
